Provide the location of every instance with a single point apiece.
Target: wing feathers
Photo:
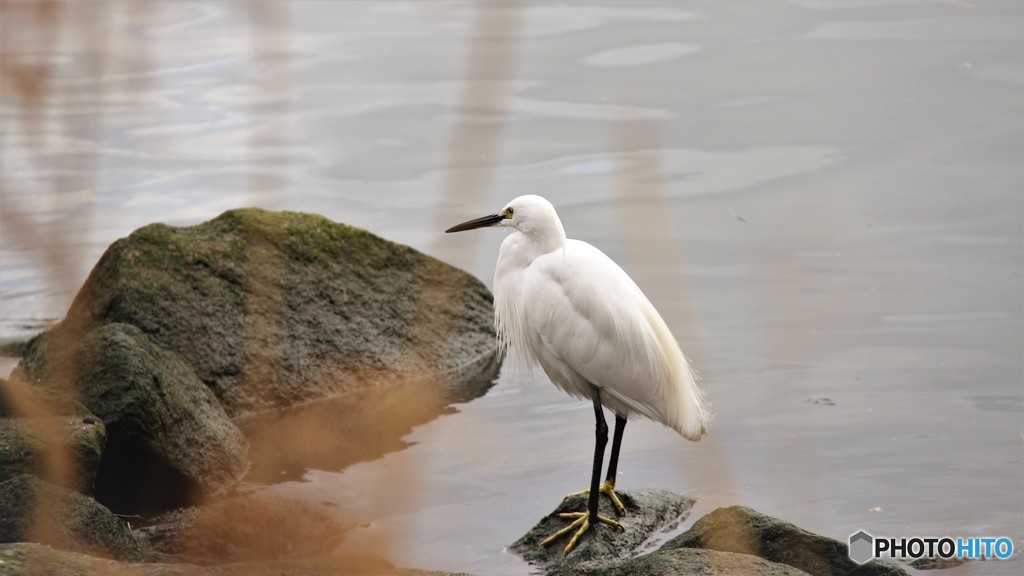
(587, 323)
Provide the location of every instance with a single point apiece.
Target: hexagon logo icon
(861, 547)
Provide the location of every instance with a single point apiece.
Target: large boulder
(276, 308)
(180, 333)
(36, 511)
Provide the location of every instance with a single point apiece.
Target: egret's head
(529, 214)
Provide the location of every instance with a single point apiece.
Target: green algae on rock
(27, 443)
(275, 308)
(180, 334)
(169, 440)
(743, 530)
(33, 510)
(734, 540)
(649, 511)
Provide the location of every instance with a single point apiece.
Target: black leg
(584, 520)
(601, 440)
(613, 463)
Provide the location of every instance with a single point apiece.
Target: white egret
(564, 305)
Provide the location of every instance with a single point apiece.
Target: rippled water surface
(823, 199)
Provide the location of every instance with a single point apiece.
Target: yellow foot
(608, 489)
(581, 524)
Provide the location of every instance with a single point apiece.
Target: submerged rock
(33, 510)
(937, 563)
(244, 529)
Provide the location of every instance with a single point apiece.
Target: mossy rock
(33, 510)
(743, 530)
(276, 308)
(268, 311)
(734, 540)
(648, 512)
(169, 440)
(64, 449)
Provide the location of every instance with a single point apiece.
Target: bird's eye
(508, 212)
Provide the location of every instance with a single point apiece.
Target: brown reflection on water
(335, 433)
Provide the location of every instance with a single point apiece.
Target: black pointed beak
(490, 220)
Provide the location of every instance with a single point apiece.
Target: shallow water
(823, 199)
